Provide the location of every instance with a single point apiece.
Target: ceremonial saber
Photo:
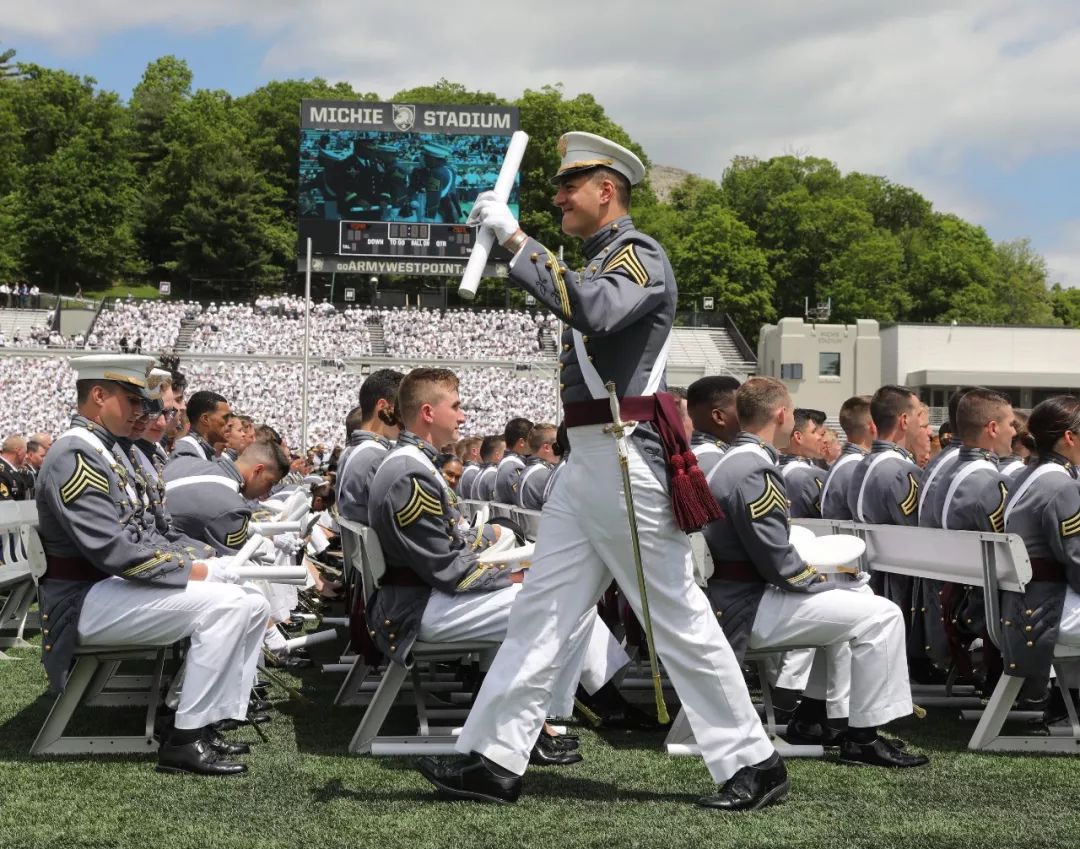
(618, 430)
(485, 239)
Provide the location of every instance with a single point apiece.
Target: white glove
(219, 570)
(288, 543)
(494, 215)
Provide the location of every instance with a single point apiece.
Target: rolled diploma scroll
(470, 280)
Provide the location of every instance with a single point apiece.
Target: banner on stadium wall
(386, 188)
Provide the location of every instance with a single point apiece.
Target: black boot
(752, 787)
(473, 778)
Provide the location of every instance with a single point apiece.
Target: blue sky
(975, 103)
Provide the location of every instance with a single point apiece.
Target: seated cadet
(975, 492)
(884, 487)
(710, 403)
(112, 579)
(831, 449)
(561, 450)
(860, 431)
(207, 413)
(450, 468)
(538, 467)
(12, 456)
(931, 494)
(370, 439)
(470, 458)
(766, 596)
(803, 479)
(212, 500)
(1043, 507)
(512, 464)
(491, 453)
(434, 589)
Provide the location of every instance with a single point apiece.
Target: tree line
(200, 187)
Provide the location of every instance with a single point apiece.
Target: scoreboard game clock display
(387, 188)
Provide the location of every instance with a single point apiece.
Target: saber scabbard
(617, 428)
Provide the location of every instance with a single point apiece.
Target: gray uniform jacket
(750, 545)
(483, 487)
(206, 501)
(1046, 515)
(193, 445)
(88, 510)
(934, 483)
(148, 461)
(622, 302)
(507, 478)
(804, 482)
(553, 479)
(834, 496)
(533, 483)
(423, 545)
(707, 448)
(356, 471)
(468, 477)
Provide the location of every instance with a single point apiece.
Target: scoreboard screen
(387, 188)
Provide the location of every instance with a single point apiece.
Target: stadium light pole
(307, 352)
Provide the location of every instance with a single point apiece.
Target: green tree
(1066, 304)
(1021, 284)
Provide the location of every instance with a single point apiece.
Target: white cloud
(1063, 257)
(908, 90)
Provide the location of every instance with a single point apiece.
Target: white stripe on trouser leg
(225, 624)
(583, 542)
(871, 626)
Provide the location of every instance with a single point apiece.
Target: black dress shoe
(289, 661)
(566, 742)
(880, 752)
(470, 778)
(195, 758)
(548, 753)
(258, 706)
(224, 747)
(802, 733)
(233, 724)
(752, 787)
(630, 718)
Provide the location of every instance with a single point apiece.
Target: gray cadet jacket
(803, 482)
(750, 546)
(508, 477)
(356, 471)
(707, 448)
(934, 483)
(834, 494)
(206, 501)
(483, 485)
(468, 475)
(90, 512)
(533, 483)
(148, 460)
(423, 544)
(1043, 507)
(193, 445)
(618, 310)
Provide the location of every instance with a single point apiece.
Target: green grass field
(304, 791)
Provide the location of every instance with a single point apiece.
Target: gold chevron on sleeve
(238, 538)
(908, 505)
(84, 477)
(420, 503)
(997, 518)
(771, 499)
(1071, 525)
(626, 258)
(471, 578)
(146, 565)
(553, 264)
(808, 572)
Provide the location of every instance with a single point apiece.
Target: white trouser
(225, 624)
(863, 638)
(790, 670)
(584, 542)
(596, 654)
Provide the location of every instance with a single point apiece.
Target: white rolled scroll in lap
(474, 271)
